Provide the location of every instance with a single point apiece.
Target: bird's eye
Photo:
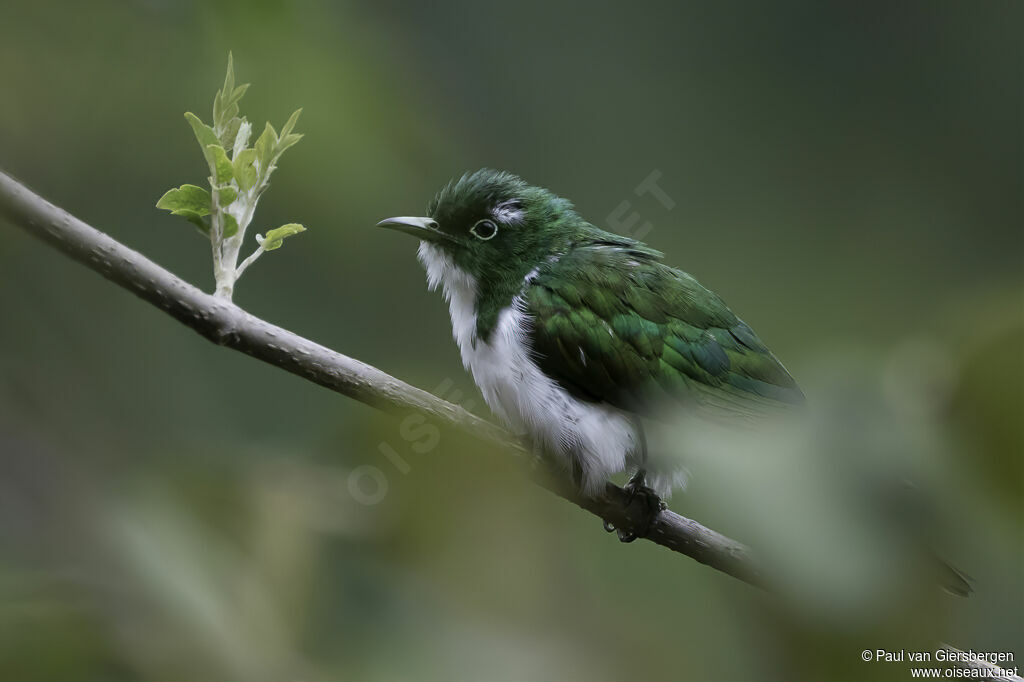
(484, 229)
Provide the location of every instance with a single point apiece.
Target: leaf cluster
(238, 173)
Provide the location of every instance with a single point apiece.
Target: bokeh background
(847, 176)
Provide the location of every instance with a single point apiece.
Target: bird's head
(491, 225)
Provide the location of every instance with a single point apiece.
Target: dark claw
(626, 536)
(637, 488)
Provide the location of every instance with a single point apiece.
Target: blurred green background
(847, 176)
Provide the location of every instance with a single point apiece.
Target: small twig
(225, 324)
(249, 261)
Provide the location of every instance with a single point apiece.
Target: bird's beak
(422, 228)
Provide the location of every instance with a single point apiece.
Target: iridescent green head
(492, 224)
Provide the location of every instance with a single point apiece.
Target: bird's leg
(637, 488)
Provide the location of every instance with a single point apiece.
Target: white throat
(460, 290)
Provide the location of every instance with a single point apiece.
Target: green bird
(574, 335)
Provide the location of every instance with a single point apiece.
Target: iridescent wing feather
(613, 324)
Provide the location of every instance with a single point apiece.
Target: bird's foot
(652, 505)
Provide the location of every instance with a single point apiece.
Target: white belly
(598, 438)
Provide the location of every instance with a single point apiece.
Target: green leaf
(203, 132)
(290, 124)
(245, 173)
(186, 199)
(265, 146)
(236, 94)
(230, 225)
(218, 111)
(191, 203)
(219, 163)
(229, 77)
(226, 119)
(276, 236)
(202, 222)
(222, 100)
(227, 140)
(225, 195)
(286, 142)
(240, 138)
(225, 106)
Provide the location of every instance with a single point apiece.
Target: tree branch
(227, 325)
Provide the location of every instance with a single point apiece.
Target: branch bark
(225, 324)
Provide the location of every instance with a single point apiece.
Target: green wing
(612, 324)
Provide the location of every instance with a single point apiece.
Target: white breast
(600, 438)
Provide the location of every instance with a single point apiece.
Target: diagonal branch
(226, 324)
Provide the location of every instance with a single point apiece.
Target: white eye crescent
(484, 229)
